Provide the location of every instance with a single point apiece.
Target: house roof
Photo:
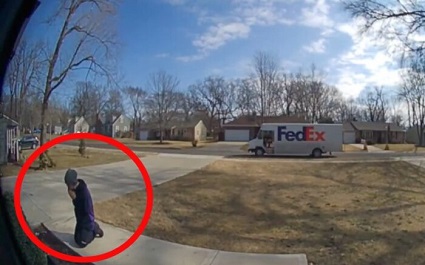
(10, 121)
(185, 124)
(376, 126)
(255, 121)
(347, 127)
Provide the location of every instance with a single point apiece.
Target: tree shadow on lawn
(355, 222)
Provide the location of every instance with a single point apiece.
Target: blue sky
(194, 39)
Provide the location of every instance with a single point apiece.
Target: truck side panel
(289, 138)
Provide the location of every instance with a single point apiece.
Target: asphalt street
(229, 150)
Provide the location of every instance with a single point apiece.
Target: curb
(52, 260)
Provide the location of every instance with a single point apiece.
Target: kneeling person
(86, 228)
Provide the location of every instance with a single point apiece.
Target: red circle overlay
(99, 257)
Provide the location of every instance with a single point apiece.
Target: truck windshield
(260, 134)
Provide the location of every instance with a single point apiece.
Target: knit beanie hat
(71, 177)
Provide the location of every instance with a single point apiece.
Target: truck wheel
(259, 152)
(317, 153)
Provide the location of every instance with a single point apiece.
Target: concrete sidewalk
(152, 251)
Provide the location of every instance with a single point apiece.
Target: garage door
(143, 135)
(236, 135)
(349, 138)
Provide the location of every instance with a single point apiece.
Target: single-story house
(245, 128)
(182, 131)
(374, 132)
(78, 124)
(412, 136)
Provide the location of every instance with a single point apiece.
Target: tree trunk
(45, 159)
(44, 107)
(161, 135)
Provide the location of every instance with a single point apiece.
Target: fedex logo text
(307, 134)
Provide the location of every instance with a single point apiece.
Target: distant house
(188, 131)
(412, 136)
(181, 131)
(57, 129)
(374, 132)
(77, 125)
(245, 128)
(113, 125)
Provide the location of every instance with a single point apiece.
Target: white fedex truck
(297, 139)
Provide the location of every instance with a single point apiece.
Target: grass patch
(178, 145)
(67, 158)
(401, 147)
(336, 213)
(245, 147)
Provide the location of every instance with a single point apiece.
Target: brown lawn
(69, 157)
(336, 213)
(401, 147)
(165, 144)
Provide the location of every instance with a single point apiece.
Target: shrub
(127, 135)
(31, 253)
(195, 143)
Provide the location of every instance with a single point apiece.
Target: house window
(125, 129)
(117, 128)
(121, 119)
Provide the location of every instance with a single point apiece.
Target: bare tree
(216, 96)
(374, 105)
(265, 73)
(161, 103)
(86, 36)
(89, 101)
(22, 76)
(137, 97)
(246, 96)
(114, 105)
(412, 91)
(392, 19)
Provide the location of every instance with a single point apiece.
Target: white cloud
(237, 24)
(175, 2)
(316, 46)
(369, 62)
(162, 55)
(316, 15)
(191, 58)
(218, 35)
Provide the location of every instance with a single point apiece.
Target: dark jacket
(83, 206)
